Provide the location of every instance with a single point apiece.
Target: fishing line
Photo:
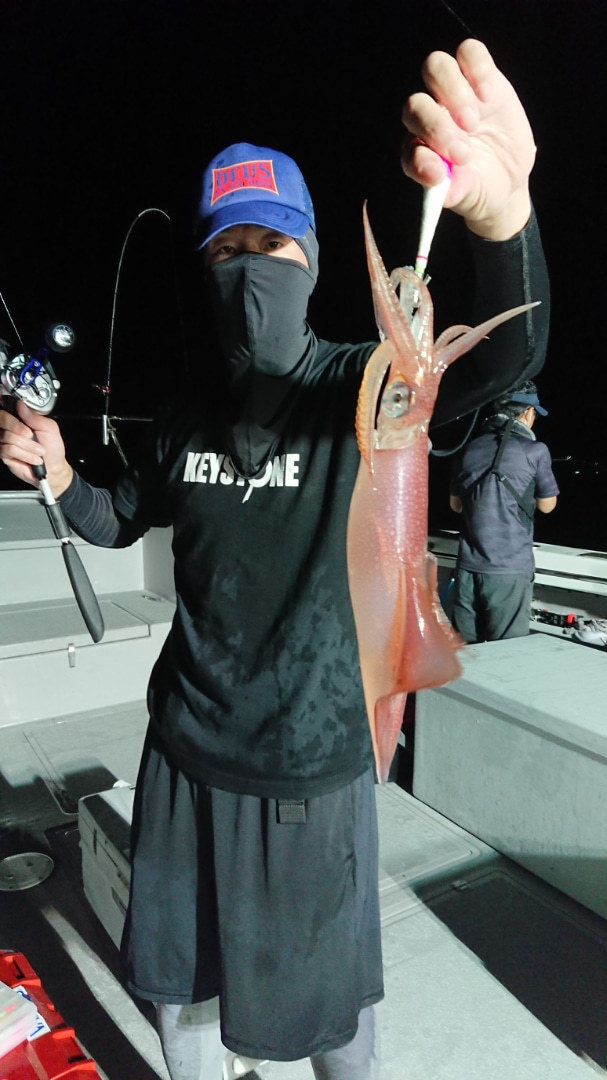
(459, 19)
(456, 449)
(5, 305)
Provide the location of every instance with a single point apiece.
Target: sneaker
(591, 632)
(236, 1066)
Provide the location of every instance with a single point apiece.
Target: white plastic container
(105, 828)
(17, 1018)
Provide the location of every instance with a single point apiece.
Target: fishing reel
(30, 378)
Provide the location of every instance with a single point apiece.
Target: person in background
(498, 481)
(253, 920)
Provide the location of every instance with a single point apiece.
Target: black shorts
(280, 920)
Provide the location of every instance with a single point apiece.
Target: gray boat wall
(49, 665)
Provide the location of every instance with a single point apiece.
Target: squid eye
(397, 400)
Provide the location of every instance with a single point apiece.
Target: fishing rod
(108, 430)
(30, 378)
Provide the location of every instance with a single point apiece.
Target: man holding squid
(254, 916)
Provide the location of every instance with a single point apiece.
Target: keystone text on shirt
(209, 468)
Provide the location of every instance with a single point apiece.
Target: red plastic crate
(52, 1054)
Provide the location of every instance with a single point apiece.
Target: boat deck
(489, 971)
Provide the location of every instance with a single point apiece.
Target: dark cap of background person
(525, 395)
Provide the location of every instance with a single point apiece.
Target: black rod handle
(82, 588)
(83, 591)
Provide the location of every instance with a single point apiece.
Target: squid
(405, 641)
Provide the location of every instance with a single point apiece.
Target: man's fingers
(433, 129)
(478, 68)
(448, 85)
(17, 438)
(464, 80)
(29, 416)
(15, 423)
(458, 88)
(422, 164)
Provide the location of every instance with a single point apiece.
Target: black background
(110, 108)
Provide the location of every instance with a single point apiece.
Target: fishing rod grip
(81, 586)
(83, 592)
(57, 520)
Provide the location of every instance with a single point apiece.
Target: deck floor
(490, 973)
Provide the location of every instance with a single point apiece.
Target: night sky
(110, 108)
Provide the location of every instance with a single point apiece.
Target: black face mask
(260, 304)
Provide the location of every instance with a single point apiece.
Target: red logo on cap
(245, 174)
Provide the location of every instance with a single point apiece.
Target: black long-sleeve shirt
(257, 688)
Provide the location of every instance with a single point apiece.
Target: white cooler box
(515, 752)
(105, 827)
(105, 832)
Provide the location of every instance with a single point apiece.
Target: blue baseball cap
(253, 185)
(529, 400)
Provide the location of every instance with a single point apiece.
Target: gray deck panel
(445, 1016)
